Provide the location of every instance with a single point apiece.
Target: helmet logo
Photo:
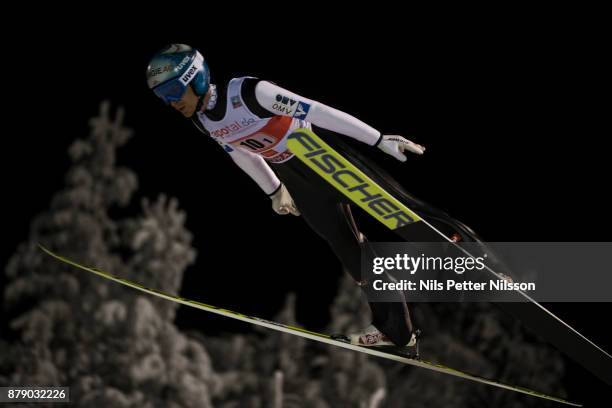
(182, 63)
(159, 70)
(192, 70)
(188, 75)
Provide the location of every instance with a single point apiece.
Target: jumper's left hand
(396, 145)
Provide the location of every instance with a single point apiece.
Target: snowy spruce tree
(113, 346)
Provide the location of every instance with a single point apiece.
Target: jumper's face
(187, 104)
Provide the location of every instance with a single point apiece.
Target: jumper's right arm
(256, 167)
(259, 170)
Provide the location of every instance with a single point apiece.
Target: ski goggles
(170, 91)
(174, 89)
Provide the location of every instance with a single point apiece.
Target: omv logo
(301, 110)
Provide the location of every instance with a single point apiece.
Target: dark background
(517, 146)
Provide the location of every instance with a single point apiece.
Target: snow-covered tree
(113, 346)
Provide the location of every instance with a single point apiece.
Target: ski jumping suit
(251, 120)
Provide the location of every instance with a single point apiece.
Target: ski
(355, 184)
(301, 332)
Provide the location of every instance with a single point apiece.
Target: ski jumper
(251, 120)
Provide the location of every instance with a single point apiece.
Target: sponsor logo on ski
(351, 182)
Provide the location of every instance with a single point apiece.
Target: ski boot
(372, 337)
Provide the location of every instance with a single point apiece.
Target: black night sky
(515, 146)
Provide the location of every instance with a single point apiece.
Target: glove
(282, 202)
(396, 145)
